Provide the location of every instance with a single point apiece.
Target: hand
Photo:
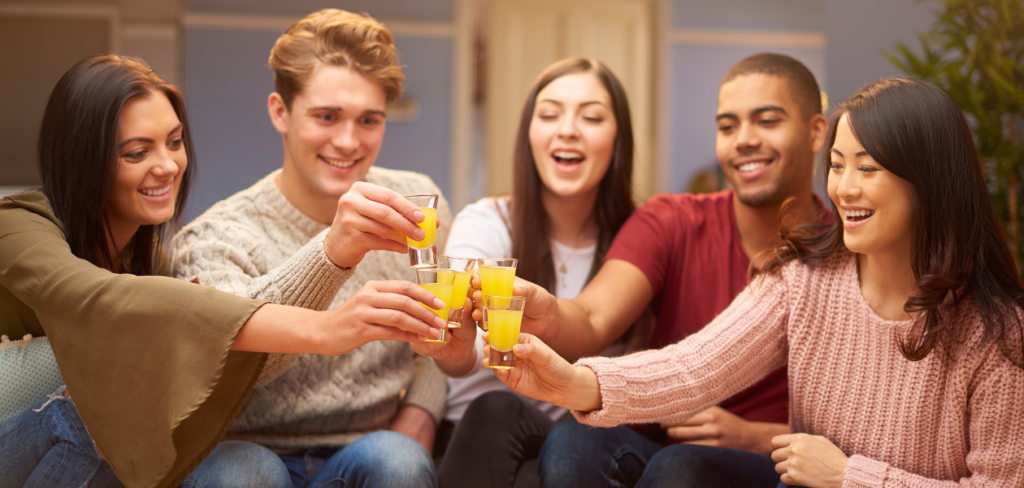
(544, 375)
(381, 310)
(808, 460)
(371, 218)
(462, 342)
(416, 423)
(538, 304)
(718, 427)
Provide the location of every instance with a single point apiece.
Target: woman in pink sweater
(900, 323)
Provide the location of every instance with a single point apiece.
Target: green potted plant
(975, 52)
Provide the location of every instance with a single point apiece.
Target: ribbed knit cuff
(309, 279)
(611, 384)
(428, 388)
(864, 472)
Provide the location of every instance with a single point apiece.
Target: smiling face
(572, 135)
(875, 205)
(765, 144)
(150, 163)
(332, 133)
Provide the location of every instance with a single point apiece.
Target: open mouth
(567, 159)
(339, 163)
(155, 192)
(859, 215)
(753, 166)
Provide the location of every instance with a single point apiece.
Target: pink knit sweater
(909, 424)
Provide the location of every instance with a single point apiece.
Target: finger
(390, 209)
(704, 442)
(699, 419)
(783, 469)
(393, 200)
(397, 319)
(691, 433)
(781, 440)
(780, 455)
(381, 333)
(399, 287)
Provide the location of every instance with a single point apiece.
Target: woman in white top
(571, 193)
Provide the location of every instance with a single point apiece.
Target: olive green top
(146, 358)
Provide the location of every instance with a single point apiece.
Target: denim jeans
(382, 458)
(577, 455)
(47, 444)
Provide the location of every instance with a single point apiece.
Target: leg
(592, 457)
(238, 463)
(49, 445)
(496, 435)
(685, 465)
(382, 458)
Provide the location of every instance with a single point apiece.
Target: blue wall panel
(422, 10)
(800, 15)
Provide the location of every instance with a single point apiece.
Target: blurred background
(468, 64)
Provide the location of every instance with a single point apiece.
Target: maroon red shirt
(689, 248)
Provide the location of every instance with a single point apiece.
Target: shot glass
(427, 278)
(505, 315)
(455, 270)
(496, 278)
(423, 253)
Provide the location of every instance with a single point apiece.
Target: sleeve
(996, 420)
(428, 388)
(479, 232)
(226, 255)
(648, 239)
(147, 358)
(741, 346)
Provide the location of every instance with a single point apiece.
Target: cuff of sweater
(428, 388)
(864, 472)
(612, 385)
(312, 280)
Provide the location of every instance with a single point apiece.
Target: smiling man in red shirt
(687, 256)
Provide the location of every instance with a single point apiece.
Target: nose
(165, 165)
(345, 138)
(567, 128)
(849, 186)
(747, 137)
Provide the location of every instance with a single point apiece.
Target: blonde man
(366, 418)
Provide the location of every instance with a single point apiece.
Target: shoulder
(489, 208)
(401, 181)
(29, 211)
(836, 271)
(688, 206)
(234, 218)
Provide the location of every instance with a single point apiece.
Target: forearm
(416, 423)
(585, 393)
(458, 368)
(279, 329)
(570, 332)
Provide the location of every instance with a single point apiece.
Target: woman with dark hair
(901, 323)
(571, 192)
(157, 366)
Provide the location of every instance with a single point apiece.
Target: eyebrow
(591, 102)
(859, 153)
(756, 111)
(146, 139)
(333, 108)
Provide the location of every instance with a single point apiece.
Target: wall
(227, 81)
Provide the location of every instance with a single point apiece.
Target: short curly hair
(802, 85)
(336, 38)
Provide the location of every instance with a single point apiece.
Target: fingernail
(440, 322)
(435, 332)
(417, 216)
(438, 304)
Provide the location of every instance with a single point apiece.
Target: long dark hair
(531, 243)
(914, 130)
(78, 155)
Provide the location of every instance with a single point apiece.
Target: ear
(279, 114)
(819, 130)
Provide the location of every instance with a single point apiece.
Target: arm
(423, 405)
(718, 427)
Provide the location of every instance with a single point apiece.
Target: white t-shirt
(479, 231)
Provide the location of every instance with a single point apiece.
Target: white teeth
(748, 167)
(338, 163)
(856, 214)
(150, 192)
(566, 155)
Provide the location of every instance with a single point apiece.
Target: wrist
(585, 389)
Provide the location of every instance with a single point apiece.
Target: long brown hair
(531, 243)
(78, 156)
(914, 130)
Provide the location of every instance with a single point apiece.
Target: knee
(685, 465)
(493, 405)
(240, 464)
(387, 458)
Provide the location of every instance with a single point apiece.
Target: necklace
(562, 269)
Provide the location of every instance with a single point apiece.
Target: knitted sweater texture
(257, 244)
(928, 423)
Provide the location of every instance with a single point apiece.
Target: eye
(136, 155)
(867, 169)
(327, 117)
(593, 118)
(547, 116)
(725, 127)
(835, 167)
(769, 122)
(369, 121)
(176, 144)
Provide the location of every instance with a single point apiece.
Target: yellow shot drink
(504, 317)
(429, 226)
(460, 289)
(442, 291)
(496, 281)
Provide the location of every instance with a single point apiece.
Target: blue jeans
(48, 445)
(382, 458)
(593, 457)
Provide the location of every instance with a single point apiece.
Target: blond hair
(336, 38)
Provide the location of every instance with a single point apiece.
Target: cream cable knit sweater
(928, 423)
(257, 244)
